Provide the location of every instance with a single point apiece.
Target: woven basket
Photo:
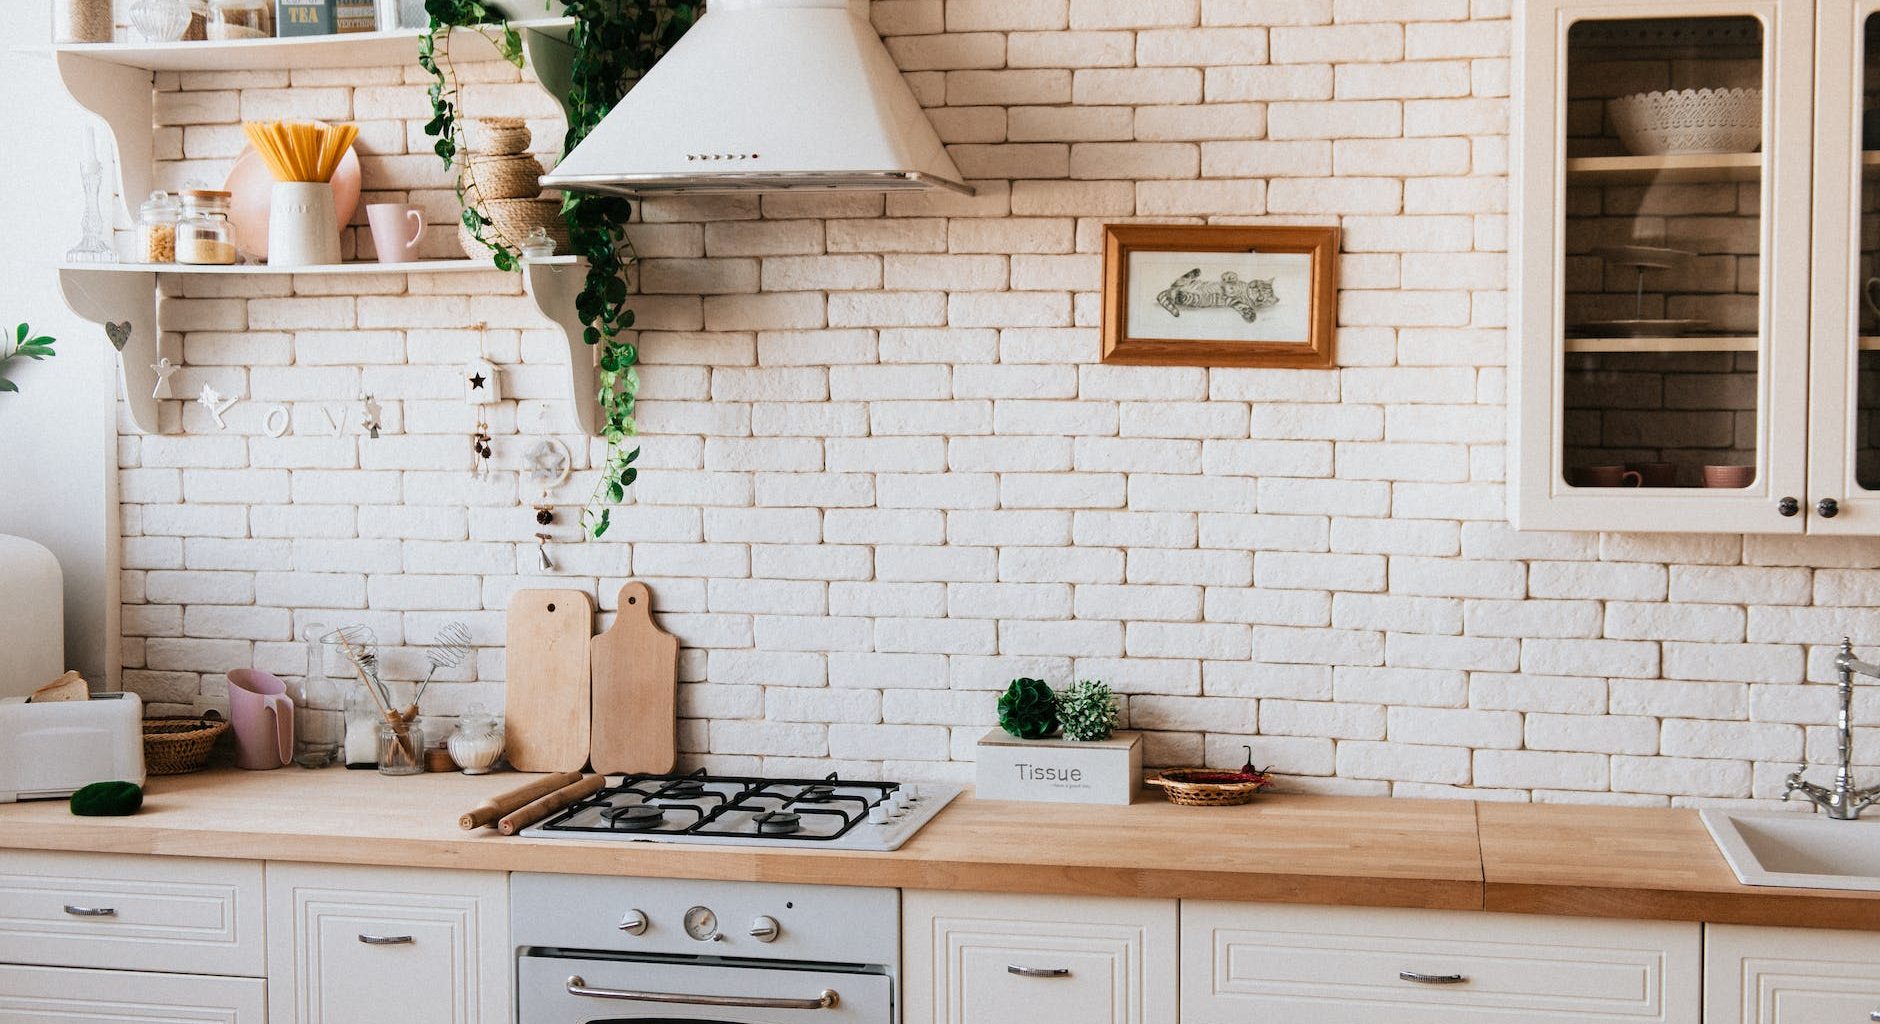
(499, 136)
(177, 746)
(1209, 787)
(506, 177)
(512, 220)
(1689, 121)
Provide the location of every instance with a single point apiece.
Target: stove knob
(634, 923)
(900, 799)
(878, 814)
(765, 929)
(912, 791)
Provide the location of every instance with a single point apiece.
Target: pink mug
(396, 229)
(263, 719)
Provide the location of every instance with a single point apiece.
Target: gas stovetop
(826, 813)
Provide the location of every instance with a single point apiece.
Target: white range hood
(766, 96)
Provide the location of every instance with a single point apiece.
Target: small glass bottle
(203, 236)
(363, 719)
(156, 228)
(160, 21)
(401, 752)
(538, 246)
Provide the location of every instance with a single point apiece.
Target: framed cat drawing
(1220, 295)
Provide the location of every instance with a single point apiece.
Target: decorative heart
(120, 334)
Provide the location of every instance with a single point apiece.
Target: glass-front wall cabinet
(1662, 181)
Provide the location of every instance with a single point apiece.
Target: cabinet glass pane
(1661, 243)
(1867, 416)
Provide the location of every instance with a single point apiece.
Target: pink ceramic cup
(262, 716)
(1608, 476)
(396, 229)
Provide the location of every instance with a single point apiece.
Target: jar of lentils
(204, 236)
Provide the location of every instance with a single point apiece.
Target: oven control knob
(765, 929)
(634, 922)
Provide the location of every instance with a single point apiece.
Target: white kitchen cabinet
(176, 914)
(1244, 963)
(348, 945)
(65, 995)
(1790, 976)
(980, 958)
(1657, 333)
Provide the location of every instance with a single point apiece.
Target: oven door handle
(825, 1000)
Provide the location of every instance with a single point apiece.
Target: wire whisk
(448, 649)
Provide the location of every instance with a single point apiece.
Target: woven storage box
(511, 222)
(499, 136)
(177, 746)
(506, 177)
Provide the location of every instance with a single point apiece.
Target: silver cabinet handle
(90, 911)
(1874, 1015)
(825, 1000)
(1431, 979)
(1038, 972)
(386, 940)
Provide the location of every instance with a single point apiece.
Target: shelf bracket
(554, 286)
(552, 60)
(119, 297)
(120, 96)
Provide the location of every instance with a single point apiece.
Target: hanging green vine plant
(615, 42)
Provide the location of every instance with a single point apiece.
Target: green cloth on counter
(108, 800)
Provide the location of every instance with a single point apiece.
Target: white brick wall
(884, 472)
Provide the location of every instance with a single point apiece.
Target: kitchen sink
(1804, 850)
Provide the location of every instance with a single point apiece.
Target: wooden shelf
(1673, 169)
(1688, 343)
(392, 48)
(462, 266)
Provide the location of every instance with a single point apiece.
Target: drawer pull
(386, 940)
(90, 911)
(1431, 979)
(1874, 1015)
(827, 999)
(1038, 972)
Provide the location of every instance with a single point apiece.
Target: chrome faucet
(1844, 801)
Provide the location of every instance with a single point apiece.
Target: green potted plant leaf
(24, 344)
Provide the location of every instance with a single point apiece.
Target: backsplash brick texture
(884, 471)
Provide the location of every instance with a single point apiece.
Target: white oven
(650, 951)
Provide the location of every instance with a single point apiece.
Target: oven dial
(633, 922)
(702, 924)
(765, 929)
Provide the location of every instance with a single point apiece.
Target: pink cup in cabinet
(1729, 476)
(262, 716)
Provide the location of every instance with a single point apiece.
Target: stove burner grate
(636, 818)
(772, 809)
(772, 823)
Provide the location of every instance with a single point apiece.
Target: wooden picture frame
(1188, 309)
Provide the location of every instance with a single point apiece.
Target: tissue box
(1060, 771)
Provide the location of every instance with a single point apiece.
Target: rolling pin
(487, 812)
(516, 821)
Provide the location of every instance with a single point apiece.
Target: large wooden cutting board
(546, 698)
(636, 671)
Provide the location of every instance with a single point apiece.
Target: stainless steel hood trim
(640, 186)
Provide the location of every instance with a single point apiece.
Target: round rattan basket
(507, 177)
(499, 136)
(1210, 787)
(179, 745)
(511, 220)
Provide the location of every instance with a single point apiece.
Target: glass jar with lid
(156, 228)
(241, 19)
(478, 741)
(204, 236)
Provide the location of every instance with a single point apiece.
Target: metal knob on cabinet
(1431, 979)
(633, 922)
(1788, 506)
(1827, 508)
(1038, 972)
(765, 929)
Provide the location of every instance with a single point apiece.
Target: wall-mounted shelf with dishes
(115, 81)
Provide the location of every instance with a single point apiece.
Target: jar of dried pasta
(156, 228)
(204, 236)
(241, 19)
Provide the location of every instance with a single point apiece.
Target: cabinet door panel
(348, 945)
(976, 958)
(1790, 975)
(63, 995)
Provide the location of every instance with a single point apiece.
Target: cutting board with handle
(636, 672)
(545, 706)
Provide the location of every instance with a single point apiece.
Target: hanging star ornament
(476, 381)
(212, 400)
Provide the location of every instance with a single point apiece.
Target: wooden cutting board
(636, 672)
(546, 698)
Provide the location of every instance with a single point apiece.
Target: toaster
(53, 749)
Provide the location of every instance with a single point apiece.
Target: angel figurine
(369, 417)
(163, 368)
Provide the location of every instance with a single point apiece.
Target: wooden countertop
(1430, 854)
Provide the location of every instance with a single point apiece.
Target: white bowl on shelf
(1689, 121)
